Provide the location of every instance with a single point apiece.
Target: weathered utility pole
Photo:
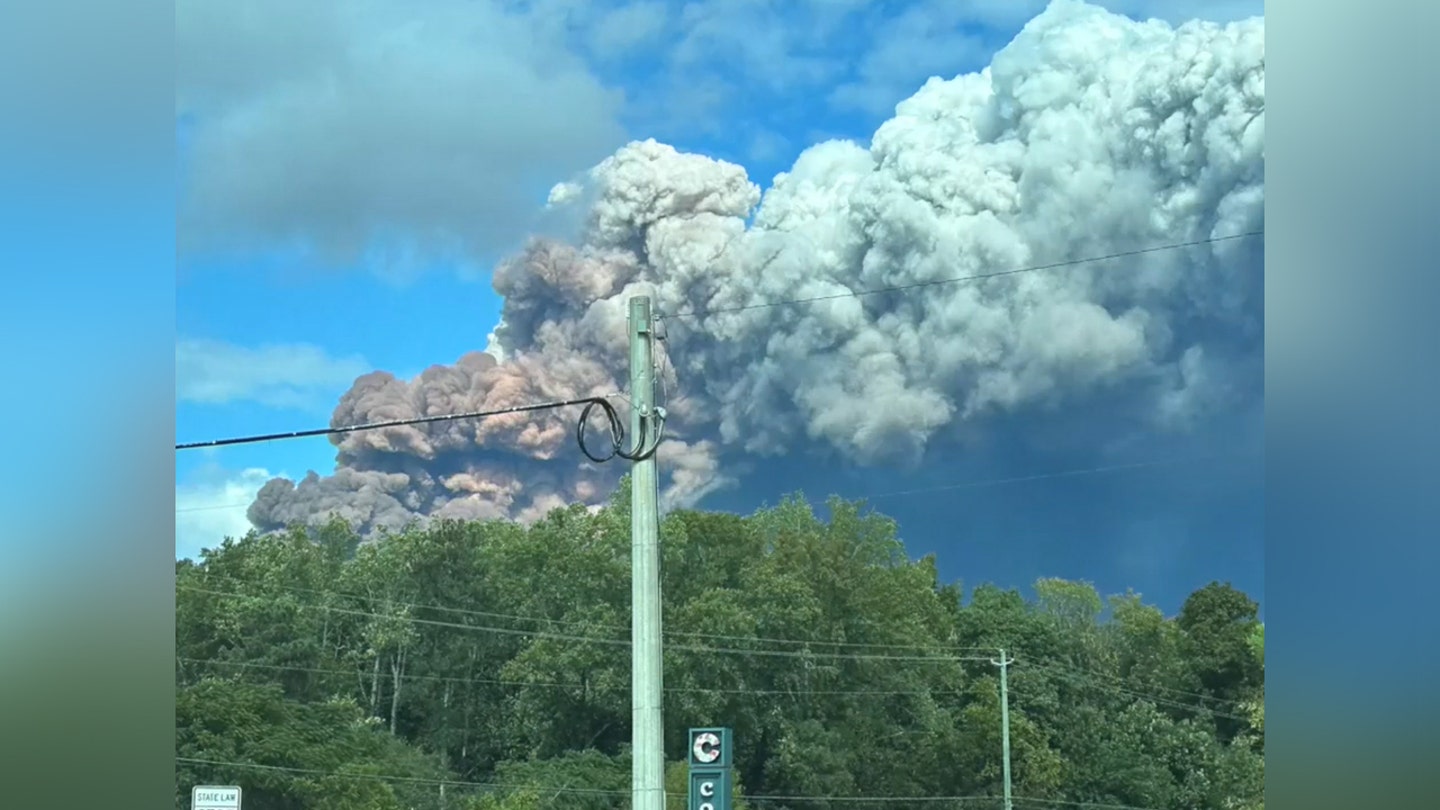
(646, 688)
(1004, 664)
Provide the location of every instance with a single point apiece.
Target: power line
(215, 662)
(931, 799)
(762, 797)
(1118, 690)
(418, 420)
(612, 418)
(604, 626)
(539, 634)
(806, 654)
(395, 778)
(416, 780)
(877, 799)
(1072, 473)
(1070, 803)
(1172, 690)
(975, 484)
(938, 652)
(211, 507)
(960, 279)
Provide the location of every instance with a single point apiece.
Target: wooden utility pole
(647, 689)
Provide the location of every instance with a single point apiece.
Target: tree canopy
(486, 665)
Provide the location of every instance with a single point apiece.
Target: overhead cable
(615, 642)
(642, 449)
(698, 313)
(579, 791)
(589, 625)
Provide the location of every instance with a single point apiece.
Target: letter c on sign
(706, 747)
(707, 789)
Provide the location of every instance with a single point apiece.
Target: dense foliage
(484, 665)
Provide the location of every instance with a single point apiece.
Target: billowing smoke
(1089, 134)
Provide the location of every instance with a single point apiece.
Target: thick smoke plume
(1089, 134)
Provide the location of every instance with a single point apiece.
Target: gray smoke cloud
(1088, 134)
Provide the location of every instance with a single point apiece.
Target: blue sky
(270, 334)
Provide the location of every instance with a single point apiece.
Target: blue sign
(710, 789)
(711, 759)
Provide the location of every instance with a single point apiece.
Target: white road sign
(211, 797)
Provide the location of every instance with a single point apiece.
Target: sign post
(212, 797)
(711, 761)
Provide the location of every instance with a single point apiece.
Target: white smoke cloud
(1088, 134)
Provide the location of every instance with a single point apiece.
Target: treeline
(485, 665)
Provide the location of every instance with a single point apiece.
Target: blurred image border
(87, 628)
(1351, 398)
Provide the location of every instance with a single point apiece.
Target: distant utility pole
(1004, 664)
(647, 746)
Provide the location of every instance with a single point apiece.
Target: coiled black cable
(617, 432)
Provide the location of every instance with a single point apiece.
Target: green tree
(1218, 624)
(288, 754)
(468, 665)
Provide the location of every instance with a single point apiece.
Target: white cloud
(296, 375)
(213, 508)
(350, 128)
